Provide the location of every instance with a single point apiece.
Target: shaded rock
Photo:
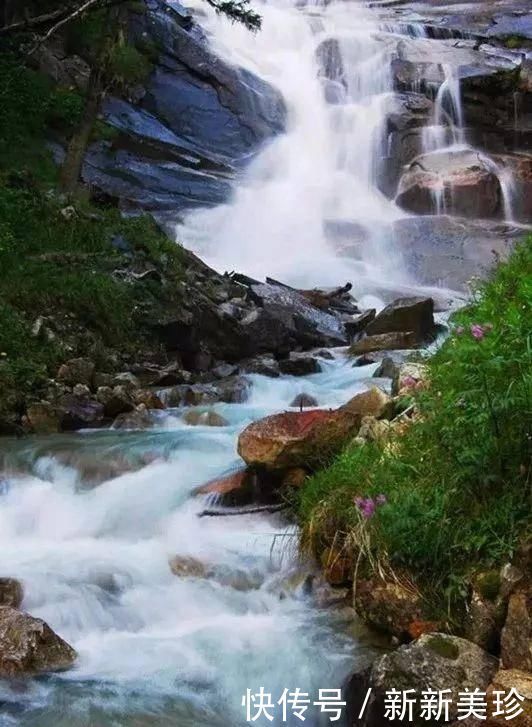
(304, 401)
(11, 592)
(171, 375)
(115, 401)
(516, 636)
(233, 489)
(299, 366)
(388, 606)
(234, 390)
(224, 370)
(387, 369)
(486, 612)
(357, 324)
(337, 567)
(373, 403)
(43, 418)
(29, 646)
(205, 418)
(405, 315)
(76, 371)
(364, 360)
(126, 379)
(294, 477)
(79, 412)
(296, 439)
(384, 342)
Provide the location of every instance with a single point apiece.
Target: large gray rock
(194, 125)
(435, 661)
(28, 646)
(404, 315)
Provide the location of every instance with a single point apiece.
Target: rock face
(435, 661)
(29, 646)
(296, 439)
(191, 127)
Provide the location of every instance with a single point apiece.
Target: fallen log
(242, 510)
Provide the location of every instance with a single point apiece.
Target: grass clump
(457, 481)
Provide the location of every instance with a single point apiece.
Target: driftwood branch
(242, 510)
(35, 22)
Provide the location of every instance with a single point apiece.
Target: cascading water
(333, 69)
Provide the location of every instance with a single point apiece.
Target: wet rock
(516, 636)
(387, 369)
(299, 366)
(11, 592)
(148, 398)
(140, 418)
(375, 403)
(437, 661)
(171, 375)
(388, 606)
(205, 418)
(357, 324)
(448, 251)
(296, 439)
(405, 315)
(29, 646)
(115, 400)
(234, 390)
(76, 371)
(127, 380)
(304, 401)
(384, 342)
(265, 365)
(364, 360)
(337, 567)
(43, 418)
(461, 183)
(187, 567)
(325, 595)
(224, 370)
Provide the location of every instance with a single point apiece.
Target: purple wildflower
(359, 502)
(368, 510)
(477, 331)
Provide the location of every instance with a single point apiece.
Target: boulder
(79, 412)
(388, 606)
(461, 183)
(244, 487)
(304, 401)
(140, 418)
(240, 580)
(76, 371)
(148, 398)
(516, 636)
(115, 400)
(504, 681)
(337, 567)
(373, 403)
(43, 418)
(265, 365)
(299, 366)
(406, 314)
(205, 418)
(387, 369)
(11, 592)
(127, 380)
(384, 342)
(297, 439)
(435, 661)
(28, 646)
(357, 323)
(187, 567)
(233, 390)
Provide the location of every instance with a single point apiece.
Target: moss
(443, 646)
(489, 584)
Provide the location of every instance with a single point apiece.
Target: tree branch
(88, 5)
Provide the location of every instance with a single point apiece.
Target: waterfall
(333, 68)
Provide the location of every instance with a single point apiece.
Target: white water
(323, 169)
(154, 648)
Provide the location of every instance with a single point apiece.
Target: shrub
(457, 482)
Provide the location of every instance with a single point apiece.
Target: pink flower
(381, 499)
(409, 382)
(477, 331)
(369, 509)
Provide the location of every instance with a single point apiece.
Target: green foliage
(458, 479)
(127, 66)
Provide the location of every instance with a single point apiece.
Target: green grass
(61, 267)
(458, 481)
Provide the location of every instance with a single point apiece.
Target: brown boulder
(388, 606)
(116, 400)
(43, 418)
(76, 371)
(148, 398)
(373, 403)
(516, 636)
(205, 418)
(29, 646)
(403, 315)
(297, 439)
(504, 681)
(384, 342)
(11, 592)
(140, 418)
(337, 567)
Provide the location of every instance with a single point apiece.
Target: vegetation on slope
(457, 482)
